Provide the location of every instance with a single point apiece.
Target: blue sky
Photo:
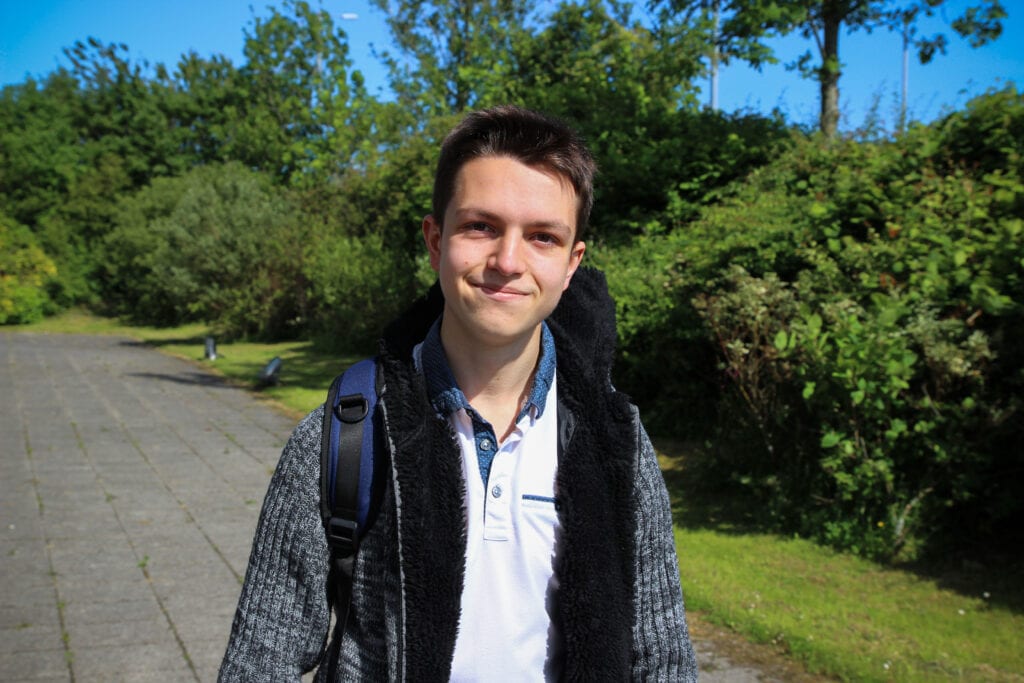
(33, 33)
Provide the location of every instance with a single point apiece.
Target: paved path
(130, 486)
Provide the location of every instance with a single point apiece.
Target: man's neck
(495, 380)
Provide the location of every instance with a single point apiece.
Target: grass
(837, 614)
(846, 616)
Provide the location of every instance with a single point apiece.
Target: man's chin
(504, 336)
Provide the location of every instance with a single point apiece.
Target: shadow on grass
(697, 502)
(992, 573)
(308, 367)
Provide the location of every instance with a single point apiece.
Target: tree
(37, 145)
(299, 102)
(678, 20)
(121, 113)
(452, 54)
(747, 23)
(202, 99)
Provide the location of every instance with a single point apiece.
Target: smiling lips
(499, 291)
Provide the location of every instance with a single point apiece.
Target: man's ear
(575, 258)
(432, 238)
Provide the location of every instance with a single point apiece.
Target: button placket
(497, 505)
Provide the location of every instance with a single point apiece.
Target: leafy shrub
(863, 302)
(219, 244)
(25, 273)
(664, 361)
(357, 286)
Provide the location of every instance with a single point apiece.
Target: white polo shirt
(506, 630)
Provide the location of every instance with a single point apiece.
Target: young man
(525, 531)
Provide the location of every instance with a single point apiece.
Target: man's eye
(478, 227)
(545, 238)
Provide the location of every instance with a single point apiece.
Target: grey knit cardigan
(619, 605)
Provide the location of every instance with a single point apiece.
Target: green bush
(220, 244)
(357, 285)
(25, 274)
(862, 304)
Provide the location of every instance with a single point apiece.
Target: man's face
(506, 251)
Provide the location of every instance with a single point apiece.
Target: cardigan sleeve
(661, 641)
(281, 624)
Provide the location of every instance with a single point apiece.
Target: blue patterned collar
(447, 398)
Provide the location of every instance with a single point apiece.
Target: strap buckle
(342, 535)
(352, 409)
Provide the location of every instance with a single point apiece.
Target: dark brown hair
(527, 136)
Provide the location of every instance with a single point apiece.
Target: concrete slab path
(130, 487)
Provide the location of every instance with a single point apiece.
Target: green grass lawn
(838, 614)
(846, 616)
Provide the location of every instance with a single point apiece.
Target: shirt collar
(447, 398)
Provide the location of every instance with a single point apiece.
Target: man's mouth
(500, 291)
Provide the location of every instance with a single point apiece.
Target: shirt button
(496, 491)
(485, 444)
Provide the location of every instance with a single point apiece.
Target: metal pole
(715, 57)
(906, 75)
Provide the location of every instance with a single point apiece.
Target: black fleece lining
(430, 492)
(595, 484)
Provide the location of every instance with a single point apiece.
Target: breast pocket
(540, 514)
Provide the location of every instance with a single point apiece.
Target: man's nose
(508, 259)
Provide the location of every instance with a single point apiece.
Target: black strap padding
(342, 528)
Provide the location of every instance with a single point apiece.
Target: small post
(211, 349)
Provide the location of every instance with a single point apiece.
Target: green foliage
(120, 114)
(455, 55)
(219, 244)
(388, 193)
(36, 145)
(357, 286)
(601, 69)
(295, 110)
(618, 83)
(864, 302)
(609, 77)
(80, 139)
(25, 273)
(43, 184)
(365, 261)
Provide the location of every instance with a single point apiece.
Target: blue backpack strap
(347, 452)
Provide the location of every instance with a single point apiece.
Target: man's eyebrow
(484, 214)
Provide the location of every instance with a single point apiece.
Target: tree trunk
(829, 74)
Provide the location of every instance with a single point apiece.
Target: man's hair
(528, 137)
